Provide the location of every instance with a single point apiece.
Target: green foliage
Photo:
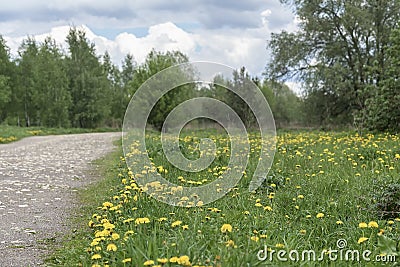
(52, 95)
(6, 81)
(155, 62)
(286, 106)
(388, 201)
(87, 82)
(340, 52)
(47, 87)
(382, 110)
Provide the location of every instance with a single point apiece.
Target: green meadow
(335, 193)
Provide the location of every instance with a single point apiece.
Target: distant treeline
(45, 86)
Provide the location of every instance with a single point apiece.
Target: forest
(45, 86)
(344, 54)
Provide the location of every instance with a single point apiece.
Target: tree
(285, 105)
(88, 83)
(382, 110)
(340, 50)
(118, 86)
(155, 62)
(27, 77)
(51, 97)
(6, 74)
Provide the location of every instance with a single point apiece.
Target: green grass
(71, 252)
(323, 187)
(13, 133)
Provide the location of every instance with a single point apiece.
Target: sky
(234, 33)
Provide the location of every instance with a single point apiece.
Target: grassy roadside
(13, 133)
(71, 251)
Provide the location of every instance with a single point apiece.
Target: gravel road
(39, 177)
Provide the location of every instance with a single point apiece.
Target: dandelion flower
(148, 263)
(267, 208)
(111, 247)
(373, 224)
(176, 223)
(339, 222)
(142, 220)
(126, 260)
(226, 228)
(173, 259)
(320, 215)
(96, 257)
(230, 243)
(162, 260)
(362, 225)
(115, 236)
(362, 239)
(162, 219)
(279, 245)
(183, 260)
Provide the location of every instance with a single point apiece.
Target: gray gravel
(38, 180)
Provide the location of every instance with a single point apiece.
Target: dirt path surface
(38, 180)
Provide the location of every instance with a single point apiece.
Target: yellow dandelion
(142, 220)
(362, 225)
(162, 260)
(362, 239)
(279, 245)
(173, 259)
(126, 260)
(320, 215)
(148, 263)
(111, 247)
(230, 243)
(96, 257)
(268, 208)
(162, 219)
(176, 223)
(115, 236)
(94, 243)
(226, 228)
(373, 224)
(184, 260)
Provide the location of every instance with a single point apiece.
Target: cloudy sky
(229, 32)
